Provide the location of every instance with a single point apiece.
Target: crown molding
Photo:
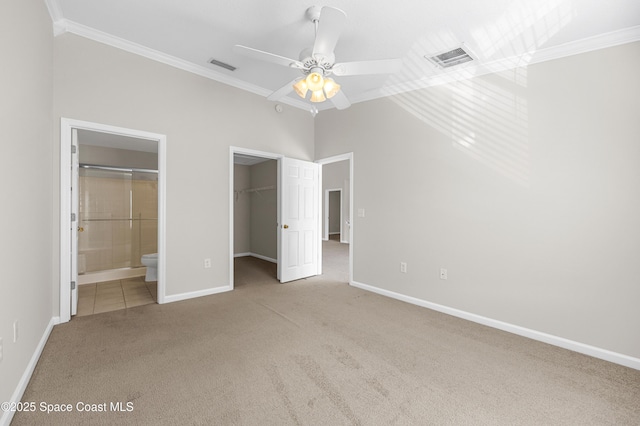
(65, 26)
(601, 41)
(615, 38)
(55, 11)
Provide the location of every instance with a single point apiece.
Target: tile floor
(114, 295)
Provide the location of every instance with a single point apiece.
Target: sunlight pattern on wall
(484, 117)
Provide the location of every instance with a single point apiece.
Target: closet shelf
(250, 190)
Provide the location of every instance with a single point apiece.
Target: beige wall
(201, 119)
(241, 210)
(264, 210)
(524, 185)
(27, 223)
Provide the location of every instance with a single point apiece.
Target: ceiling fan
(317, 63)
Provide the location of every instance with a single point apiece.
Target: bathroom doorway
(117, 217)
(117, 221)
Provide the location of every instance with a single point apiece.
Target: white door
(300, 222)
(75, 221)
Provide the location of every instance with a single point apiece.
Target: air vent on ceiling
(222, 64)
(451, 58)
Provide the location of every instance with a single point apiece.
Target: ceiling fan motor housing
(309, 61)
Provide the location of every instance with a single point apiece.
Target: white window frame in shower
(66, 127)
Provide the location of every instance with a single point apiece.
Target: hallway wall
(27, 223)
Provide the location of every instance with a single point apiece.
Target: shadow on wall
(487, 119)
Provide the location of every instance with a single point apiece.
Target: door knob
(80, 229)
(286, 226)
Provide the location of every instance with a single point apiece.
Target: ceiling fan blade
(283, 91)
(266, 56)
(340, 100)
(330, 26)
(383, 66)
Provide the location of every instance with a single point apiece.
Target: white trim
(255, 153)
(601, 41)
(53, 6)
(589, 44)
(245, 254)
(257, 256)
(66, 125)
(268, 259)
(6, 417)
(334, 159)
(195, 294)
(64, 25)
(607, 355)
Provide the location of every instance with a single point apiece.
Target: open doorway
(117, 222)
(333, 218)
(255, 219)
(337, 189)
(136, 218)
(297, 223)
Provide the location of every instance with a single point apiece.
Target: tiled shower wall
(118, 219)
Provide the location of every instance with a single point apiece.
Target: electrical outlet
(360, 212)
(207, 263)
(403, 267)
(443, 274)
(15, 331)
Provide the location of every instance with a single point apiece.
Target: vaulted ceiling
(500, 34)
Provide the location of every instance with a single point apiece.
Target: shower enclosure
(118, 211)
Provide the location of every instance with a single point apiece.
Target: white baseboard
(194, 294)
(268, 259)
(7, 416)
(259, 256)
(607, 355)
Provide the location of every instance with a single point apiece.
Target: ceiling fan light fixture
(331, 88)
(318, 96)
(314, 80)
(301, 88)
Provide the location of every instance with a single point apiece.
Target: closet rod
(116, 169)
(264, 188)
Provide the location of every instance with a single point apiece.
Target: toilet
(151, 262)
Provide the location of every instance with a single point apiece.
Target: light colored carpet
(317, 352)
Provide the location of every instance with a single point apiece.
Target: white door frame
(325, 234)
(254, 153)
(335, 159)
(66, 125)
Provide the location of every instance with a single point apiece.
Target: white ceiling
(502, 34)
